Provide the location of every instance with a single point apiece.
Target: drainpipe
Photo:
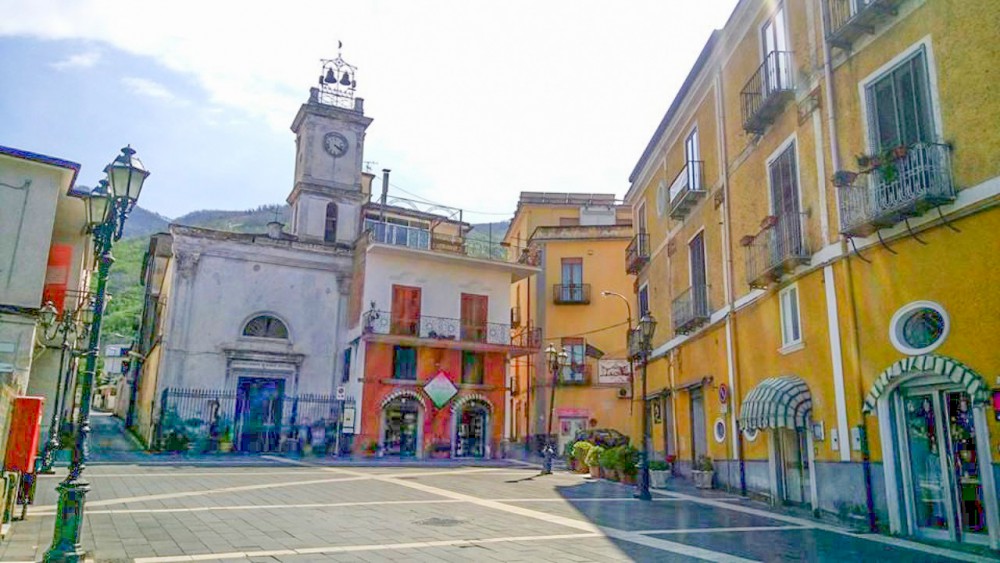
(866, 467)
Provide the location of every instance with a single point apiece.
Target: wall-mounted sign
(723, 393)
(440, 389)
(347, 427)
(612, 372)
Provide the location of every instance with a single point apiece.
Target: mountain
(142, 223)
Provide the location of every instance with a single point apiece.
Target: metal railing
(765, 94)
(776, 249)
(690, 309)
(423, 239)
(687, 189)
(846, 20)
(637, 253)
(526, 337)
(575, 374)
(905, 187)
(572, 294)
(436, 328)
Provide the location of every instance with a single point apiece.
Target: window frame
(569, 343)
(787, 344)
(327, 231)
(889, 74)
(396, 366)
(286, 338)
(480, 364)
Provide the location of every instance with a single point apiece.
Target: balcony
(447, 329)
(777, 249)
(637, 253)
(767, 91)
(847, 20)
(688, 187)
(571, 294)
(690, 309)
(575, 374)
(423, 239)
(881, 197)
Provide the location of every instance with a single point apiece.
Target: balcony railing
(637, 253)
(764, 95)
(437, 328)
(916, 182)
(575, 374)
(691, 309)
(526, 337)
(571, 294)
(778, 248)
(847, 20)
(424, 239)
(687, 189)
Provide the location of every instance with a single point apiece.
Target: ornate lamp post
(54, 324)
(107, 208)
(557, 360)
(647, 326)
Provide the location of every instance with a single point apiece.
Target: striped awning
(954, 370)
(777, 402)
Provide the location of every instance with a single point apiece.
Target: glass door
(794, 460)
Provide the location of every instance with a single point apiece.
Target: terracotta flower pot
(595, 471)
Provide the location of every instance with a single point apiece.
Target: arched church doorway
(401, 427)
(472, 429)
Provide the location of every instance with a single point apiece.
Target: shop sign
(612, 372)
(440, 389)
(347, 427)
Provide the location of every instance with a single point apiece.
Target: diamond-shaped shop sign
(440, 389)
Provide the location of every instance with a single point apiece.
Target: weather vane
(337, 81)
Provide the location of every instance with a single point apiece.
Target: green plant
(628, 460)
(370, 447)
(609, 458)
(594, 456)
(604, 437)
(703, 463)
(580, 451)
(659, 465)
(568, 450)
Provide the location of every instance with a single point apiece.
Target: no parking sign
(723, 393)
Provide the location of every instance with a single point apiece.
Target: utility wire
(422, 199)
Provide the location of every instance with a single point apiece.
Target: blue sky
(473, 102)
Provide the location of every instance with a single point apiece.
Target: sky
(473, 101)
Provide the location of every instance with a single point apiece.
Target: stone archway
(401, 431)
(471, 426)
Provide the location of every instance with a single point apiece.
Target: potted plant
(844, 178)
(226, 440)
(593, 461)
(659, 474)
(568, 455)
(628, 464)
(369, 448)
(609, 463)
(703, 472)
(580, 451)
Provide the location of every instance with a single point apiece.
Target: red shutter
(57, 275)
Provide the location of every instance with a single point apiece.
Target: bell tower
(327, 193)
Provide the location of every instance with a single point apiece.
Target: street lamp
(646, 328)
(107, 208)
(53, 324)
(556, 361)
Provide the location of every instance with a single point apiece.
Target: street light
(556, 361)
(646, 328)
(53, 324)
(107, 210)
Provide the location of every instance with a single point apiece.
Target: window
(640, 218)
(346, 375)
(474, 311)
(330, 231)
(405, 310)
(569, 221)
(692, 154)
(472, 368)
(919, 327)
(774, 39)
(791, 329)
(572, 279)
(577, 350)
(265, 326)
(404, 363)
(643, 300)
(899, 105)
(699, 275)
(784, 177)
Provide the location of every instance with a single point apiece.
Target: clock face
(335, 144)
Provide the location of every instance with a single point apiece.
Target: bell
(345, 80)
(331, 78)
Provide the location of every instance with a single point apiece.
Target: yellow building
(574, 238)
(817, 207)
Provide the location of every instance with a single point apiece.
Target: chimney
(274, 229)
(385, 190)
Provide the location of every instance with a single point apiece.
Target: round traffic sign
(723, 393)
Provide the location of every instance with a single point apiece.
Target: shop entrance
(258, 413)
(472, 430)
(568, 428)
(402, 425)
(793, 465)
(940, 463)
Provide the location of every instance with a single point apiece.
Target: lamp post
(647, 326)
(107, 208)
(53, 324)
(556, 361)
(628, 308)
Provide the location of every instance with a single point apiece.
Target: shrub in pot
(659, 474)
(609, 463)
(592, 461)
(703, 472)
(580, 451)
(628, 464)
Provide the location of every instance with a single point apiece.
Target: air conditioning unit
(624, 393)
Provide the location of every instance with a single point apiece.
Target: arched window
(330, 233)
(265, 326)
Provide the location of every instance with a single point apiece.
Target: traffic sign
(723, 393)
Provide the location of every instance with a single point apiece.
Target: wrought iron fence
(907, 186)
(762, 94)
(848, 19)
(578, 293)
(575, 374)
(637, 253)
(691, 308)
(439, 328)
(779, 246)
(206, 420)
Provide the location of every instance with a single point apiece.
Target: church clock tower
(329, 129)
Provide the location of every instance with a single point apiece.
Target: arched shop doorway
(939, 473)
(402, 425)
(471, 424)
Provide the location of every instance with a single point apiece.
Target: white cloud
(78, 60)
(473, 102)
(150, 89)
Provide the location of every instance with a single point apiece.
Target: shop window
(404, 362)
(472, 368)
(791, 328)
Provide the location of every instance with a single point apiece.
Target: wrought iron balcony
(571, 294)
(847, 20)
(438, 328)
(637, 253)
(575, 374)
(690, 309)
(765, 94)
(906, 187)
(424, 239)
(778, 248)
(688, 187)
(526, 337)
